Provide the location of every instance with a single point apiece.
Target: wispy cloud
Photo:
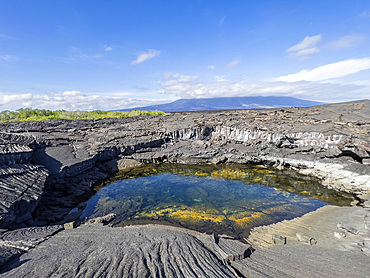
(8, 58)
(222, 21)
(305, 47)
(211, 67)
(233, 63)
(180, 77)
(307, 42)
(82, 55)
(345, 41)
(108, 48)
(149, 54)
(305, 52)
(69, 100)
(329, 71)
(365, 14)
(326, 92)
(6, 37)
(220, 78)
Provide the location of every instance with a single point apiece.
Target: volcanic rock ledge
(97, 251)
(330, 142)
(158, 251)
(21, 186)
(45, 167)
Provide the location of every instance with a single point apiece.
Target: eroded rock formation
(46, 166)
(330, 142)
(96, 251)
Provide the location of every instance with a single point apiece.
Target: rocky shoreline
(47, 167)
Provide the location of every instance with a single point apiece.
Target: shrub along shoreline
(28, 114)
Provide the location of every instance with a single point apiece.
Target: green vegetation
(28, 114)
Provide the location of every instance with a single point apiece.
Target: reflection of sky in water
(203, 203)
(215, 192)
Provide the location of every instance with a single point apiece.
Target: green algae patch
(227, 199)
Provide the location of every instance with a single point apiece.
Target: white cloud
(188, 78)
(179, 77)
(69, 100)
(169, 75)
(307, 42)
(304, 53)
(233, 63)
(149, 54)
(362, 83)
(108, 48)
(345, 41)
(220, 78)
(326, 92)
(211, 67)
(18, 98)
(329, 71)
(8, 58)
(305, 48)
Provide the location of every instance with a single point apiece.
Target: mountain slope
(228, 103)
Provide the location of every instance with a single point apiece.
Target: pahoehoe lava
(47, 167)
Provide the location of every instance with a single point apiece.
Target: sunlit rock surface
(97, 251)
(302, 261)
(330, 142)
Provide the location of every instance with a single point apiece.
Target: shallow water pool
(227, 199)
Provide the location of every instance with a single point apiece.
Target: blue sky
(120, 54)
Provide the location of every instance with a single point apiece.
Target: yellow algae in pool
(223, 199)
(186, 214)
(194, 215)
(159, 212)
(228, 174)
(262, 171)
(243, 218)
(200, 174)
(216, 174)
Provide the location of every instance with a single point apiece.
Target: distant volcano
(228, 103)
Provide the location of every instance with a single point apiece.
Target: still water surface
(227, 199)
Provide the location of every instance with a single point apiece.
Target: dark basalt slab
(17, 242)
(330, 142)
(21, 187)
(97, 251)
(45, 165)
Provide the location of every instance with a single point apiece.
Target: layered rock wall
(329, 142)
